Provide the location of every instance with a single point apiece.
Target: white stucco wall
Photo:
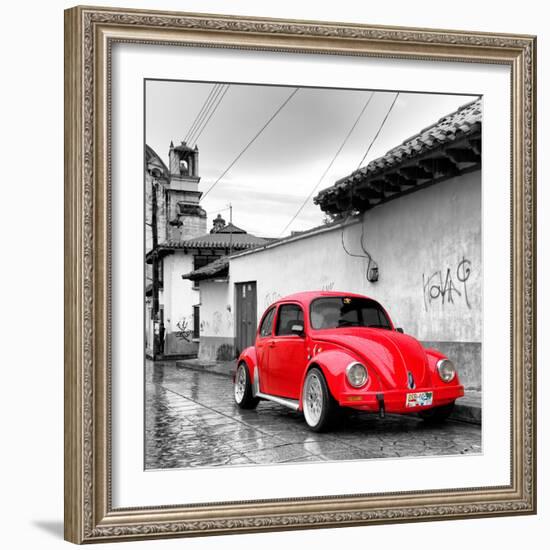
(424, 244)
(178, 294)
(216, 310)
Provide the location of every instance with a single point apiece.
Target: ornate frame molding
(89, 34)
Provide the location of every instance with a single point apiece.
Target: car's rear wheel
(437, 414)
(242, 389)
(320, 408)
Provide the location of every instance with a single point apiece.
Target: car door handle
(271, 344)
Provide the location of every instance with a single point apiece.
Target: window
(289, 315)
(347, 312)
(160, 273)
(200, 260)
(196, 322)
(267, 323)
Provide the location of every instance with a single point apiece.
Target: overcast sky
(271, 180)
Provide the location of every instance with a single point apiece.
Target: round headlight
(357, 374)
(446, 370)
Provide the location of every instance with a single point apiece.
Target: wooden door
(245, 314)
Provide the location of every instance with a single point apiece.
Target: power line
(279, 109)
(218, 210)
(368, 254)
(206, 101)
(379, 130)
(206, 113)
(191, 128)
(330, 163)
(206, 109)
(195, 139)
(212, 113)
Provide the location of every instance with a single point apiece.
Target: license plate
(419, 399)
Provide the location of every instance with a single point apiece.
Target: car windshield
(343, 311)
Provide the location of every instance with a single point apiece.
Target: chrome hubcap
(313, 399)
(240, 384)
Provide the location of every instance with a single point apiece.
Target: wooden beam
(343, 202)
(459, 155)
(476, 145)
(360, 203)
(415, 173)
(440, 166)
(398, 181)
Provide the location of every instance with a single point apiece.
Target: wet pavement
(191, 420)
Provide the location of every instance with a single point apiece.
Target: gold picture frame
(89, 36)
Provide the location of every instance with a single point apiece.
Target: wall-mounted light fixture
(372, 273)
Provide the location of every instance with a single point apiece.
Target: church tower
(186, 218)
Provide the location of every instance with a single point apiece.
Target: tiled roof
(237, 241)
(406, 164)
(229, 228)
(219, 267)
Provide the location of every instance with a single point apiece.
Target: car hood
(391, 354)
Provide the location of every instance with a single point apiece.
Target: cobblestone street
(191, 420)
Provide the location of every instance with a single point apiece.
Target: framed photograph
(300, 274)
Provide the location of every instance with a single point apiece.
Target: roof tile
(463, 122)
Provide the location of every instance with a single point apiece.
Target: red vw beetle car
(319, 351)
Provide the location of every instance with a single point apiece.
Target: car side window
(267, 323)
(289, 315)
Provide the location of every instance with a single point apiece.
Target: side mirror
(400, 330)
(297, 329)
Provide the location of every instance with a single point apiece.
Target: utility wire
(195, 139)
(192, 127)
(205, 107)
(206, 113)
(379, 130)
(367, 253)
(330, 164)
(218, 210)
(206, 101)
(279, 109)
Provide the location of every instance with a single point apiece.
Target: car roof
(308, 296)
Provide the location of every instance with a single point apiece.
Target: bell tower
(186, 217)
(184, 162)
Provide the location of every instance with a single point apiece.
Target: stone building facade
(181, 244)
(172, 201)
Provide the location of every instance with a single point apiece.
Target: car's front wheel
(437, 414)
(242, 389)
(320, 408)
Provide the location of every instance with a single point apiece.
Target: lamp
(372, 273)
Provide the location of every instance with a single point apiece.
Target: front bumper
(394, 401)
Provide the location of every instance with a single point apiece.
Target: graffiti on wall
(184, 331)
(216, 322)
(271, 297)
(221, 321)
(447, 286)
